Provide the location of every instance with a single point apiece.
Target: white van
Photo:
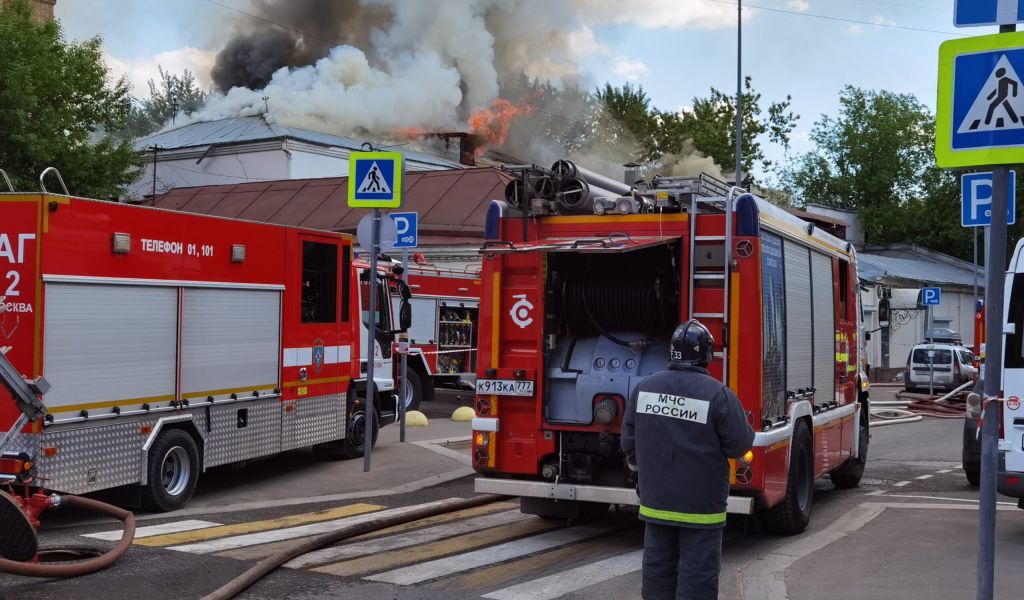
(1011, 431)
(953, 366)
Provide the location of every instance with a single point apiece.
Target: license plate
(504, 387)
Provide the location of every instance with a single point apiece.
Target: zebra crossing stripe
(265, 550)
(291, 533)
(153, 530)
(420, 536)
(459, 563)
(418, 554)
(189, 537)
(559, 584)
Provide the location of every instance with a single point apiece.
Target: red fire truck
(580, 297)
(176, 342)
(443, 337)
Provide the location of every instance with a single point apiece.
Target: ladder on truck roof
(705, 305)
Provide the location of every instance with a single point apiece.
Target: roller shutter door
(824, 328)
(799, 341)
(108, 343)
(230, 341)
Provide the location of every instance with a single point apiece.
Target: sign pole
(995, 268)
(405, 354)
(371, 353)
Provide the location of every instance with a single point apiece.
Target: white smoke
(690, 162)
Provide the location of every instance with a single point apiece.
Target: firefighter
(680, 428)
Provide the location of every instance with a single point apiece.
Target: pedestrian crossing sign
(375, 180)
(980, 109)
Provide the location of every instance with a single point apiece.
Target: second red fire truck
(176, 342)
(580, 297)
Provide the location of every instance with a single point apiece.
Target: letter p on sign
(976, 199)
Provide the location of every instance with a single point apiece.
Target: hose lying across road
(257, 571)
(76, 569)
(911, 408)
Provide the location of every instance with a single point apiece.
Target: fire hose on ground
(272, 562)
(19, 540)
(911, 408)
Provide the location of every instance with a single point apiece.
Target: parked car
(953, 366)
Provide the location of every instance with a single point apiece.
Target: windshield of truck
(942, 357)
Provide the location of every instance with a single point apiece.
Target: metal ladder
(711, 245)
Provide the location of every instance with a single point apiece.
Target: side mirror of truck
(405, 315)
(404, 291)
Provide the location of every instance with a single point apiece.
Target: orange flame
(493, 123)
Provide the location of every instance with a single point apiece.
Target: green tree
(627, 118)
(875, 157)
(172, 95)
(711, 124)
(57, 107)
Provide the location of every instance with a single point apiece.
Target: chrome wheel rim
(175, 471)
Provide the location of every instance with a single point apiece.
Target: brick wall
(43, 9)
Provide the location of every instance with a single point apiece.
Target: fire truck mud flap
(584, 493)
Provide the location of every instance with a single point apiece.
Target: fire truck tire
(973, 476)
(173, 471)
(791, 516)
(355, 432)
(849, 474)
(412, 390)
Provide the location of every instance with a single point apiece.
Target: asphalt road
(907, 532)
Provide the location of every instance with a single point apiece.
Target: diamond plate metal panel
(312, 421)
(23, 442)
(242, 430)
(92, 458)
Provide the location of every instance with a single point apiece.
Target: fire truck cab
(580, 298)
(176, 342)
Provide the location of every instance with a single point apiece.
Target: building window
(319, 283)
(844, 290)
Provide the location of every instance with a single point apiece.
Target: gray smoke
(261, 46)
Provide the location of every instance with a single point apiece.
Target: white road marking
(467, 561)
(875, 493)
(941, 506)
(559, 584)
(969, 500)
(901, 484)
(766, 580)
(406, 539)
(142, 532)
(436, 447)
(924, 477)
(290, 533)
(945, 471)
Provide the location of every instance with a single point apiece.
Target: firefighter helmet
(692, 345)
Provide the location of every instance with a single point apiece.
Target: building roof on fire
(452, 204)
(262, 128)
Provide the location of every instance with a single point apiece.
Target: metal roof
(452, 204)
(258, 128)
(874, 267)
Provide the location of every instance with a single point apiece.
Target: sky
(676, 49)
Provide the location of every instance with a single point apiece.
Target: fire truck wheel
(973, 476)
(173, 471)
(412, 390)
(791, 516)
(355, 433)
(849, 474)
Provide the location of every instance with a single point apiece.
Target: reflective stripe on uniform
(678, 517)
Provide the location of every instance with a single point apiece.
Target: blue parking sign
(931, 296)
(407, 226)
(976, 200)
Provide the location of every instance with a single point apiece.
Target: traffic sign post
(374, 181)
(407, 236)
(976, 199)
(977, 13)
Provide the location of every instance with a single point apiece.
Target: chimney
(632, 173)
(469, 143)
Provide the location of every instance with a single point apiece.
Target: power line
(840, 19)
(276, 24)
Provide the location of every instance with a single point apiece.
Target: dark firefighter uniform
(683, 425)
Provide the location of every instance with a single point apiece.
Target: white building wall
(304, 165)
(212, 170)
(909, 327)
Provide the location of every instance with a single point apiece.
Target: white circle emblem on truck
(520, 311)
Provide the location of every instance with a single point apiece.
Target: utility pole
(739, 93)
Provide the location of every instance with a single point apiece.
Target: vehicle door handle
(1018, 421)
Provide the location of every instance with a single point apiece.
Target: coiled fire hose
(84, 567)
(911, 408)
(272, 562)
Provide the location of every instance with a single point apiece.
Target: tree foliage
(58, 106)
(172, 95)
